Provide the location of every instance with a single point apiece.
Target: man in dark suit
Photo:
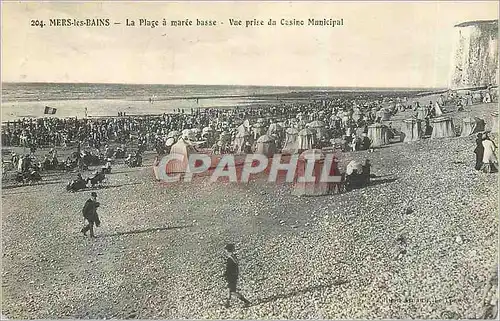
(90, 214)
(231, 275)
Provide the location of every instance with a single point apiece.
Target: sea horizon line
(220, 85)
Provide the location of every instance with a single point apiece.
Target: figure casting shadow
(148, 230)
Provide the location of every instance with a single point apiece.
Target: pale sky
(382, 44)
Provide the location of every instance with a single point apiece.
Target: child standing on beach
(231, 275)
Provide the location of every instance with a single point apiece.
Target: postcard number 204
(37, 23)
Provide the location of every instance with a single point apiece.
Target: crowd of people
(338, 114)
(340, 121)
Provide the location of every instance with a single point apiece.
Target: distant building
(475, 54)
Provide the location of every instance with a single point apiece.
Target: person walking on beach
(231, 275)
(90, 214)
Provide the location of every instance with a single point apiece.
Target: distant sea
(79, 91)
(28, 100)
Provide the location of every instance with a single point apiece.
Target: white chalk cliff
(475, 54)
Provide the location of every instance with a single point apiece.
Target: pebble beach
(419, 242)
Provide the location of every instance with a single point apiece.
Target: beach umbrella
(242, 134)
(170, 141)
(316, 124)
(243, 130)
(187, 134)
(313, 154)
(265, 146)
(274, 128)
(354, 166)
(174, 133)
(261, 120)
(301, 124)
(207, 130)
(265, 139)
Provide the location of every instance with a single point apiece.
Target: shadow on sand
(148, 230)
(374, 182)
(88, 189)
(40, 183)
(305, 290)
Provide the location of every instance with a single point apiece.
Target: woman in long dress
(479, 151)
(490, 162)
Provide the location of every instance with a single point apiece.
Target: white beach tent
(290, 144)
(305, 140)
(266, 146)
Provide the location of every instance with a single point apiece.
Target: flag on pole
(50, 110)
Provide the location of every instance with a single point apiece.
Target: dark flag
(50, 110)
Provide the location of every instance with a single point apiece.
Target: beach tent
(240, 140)
(247, 125)
(494, 122)
(422, 113)
(275, 129)
(290, 143)
(266, 146)
(378, 134)
(301, 124)
(443, 127)
(208, 134)
(472, 125)
(412, 129)
(259, 129)
(242, 129)
(357, 114)
(305, 140)
(318, 127)
(316, 159)
(183, 148)
(283, 125)
(437, 109)
(384, 114)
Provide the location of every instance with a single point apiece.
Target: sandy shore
(12, 110)
(419, 243)
(111, 107)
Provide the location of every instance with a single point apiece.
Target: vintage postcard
(249, 160)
